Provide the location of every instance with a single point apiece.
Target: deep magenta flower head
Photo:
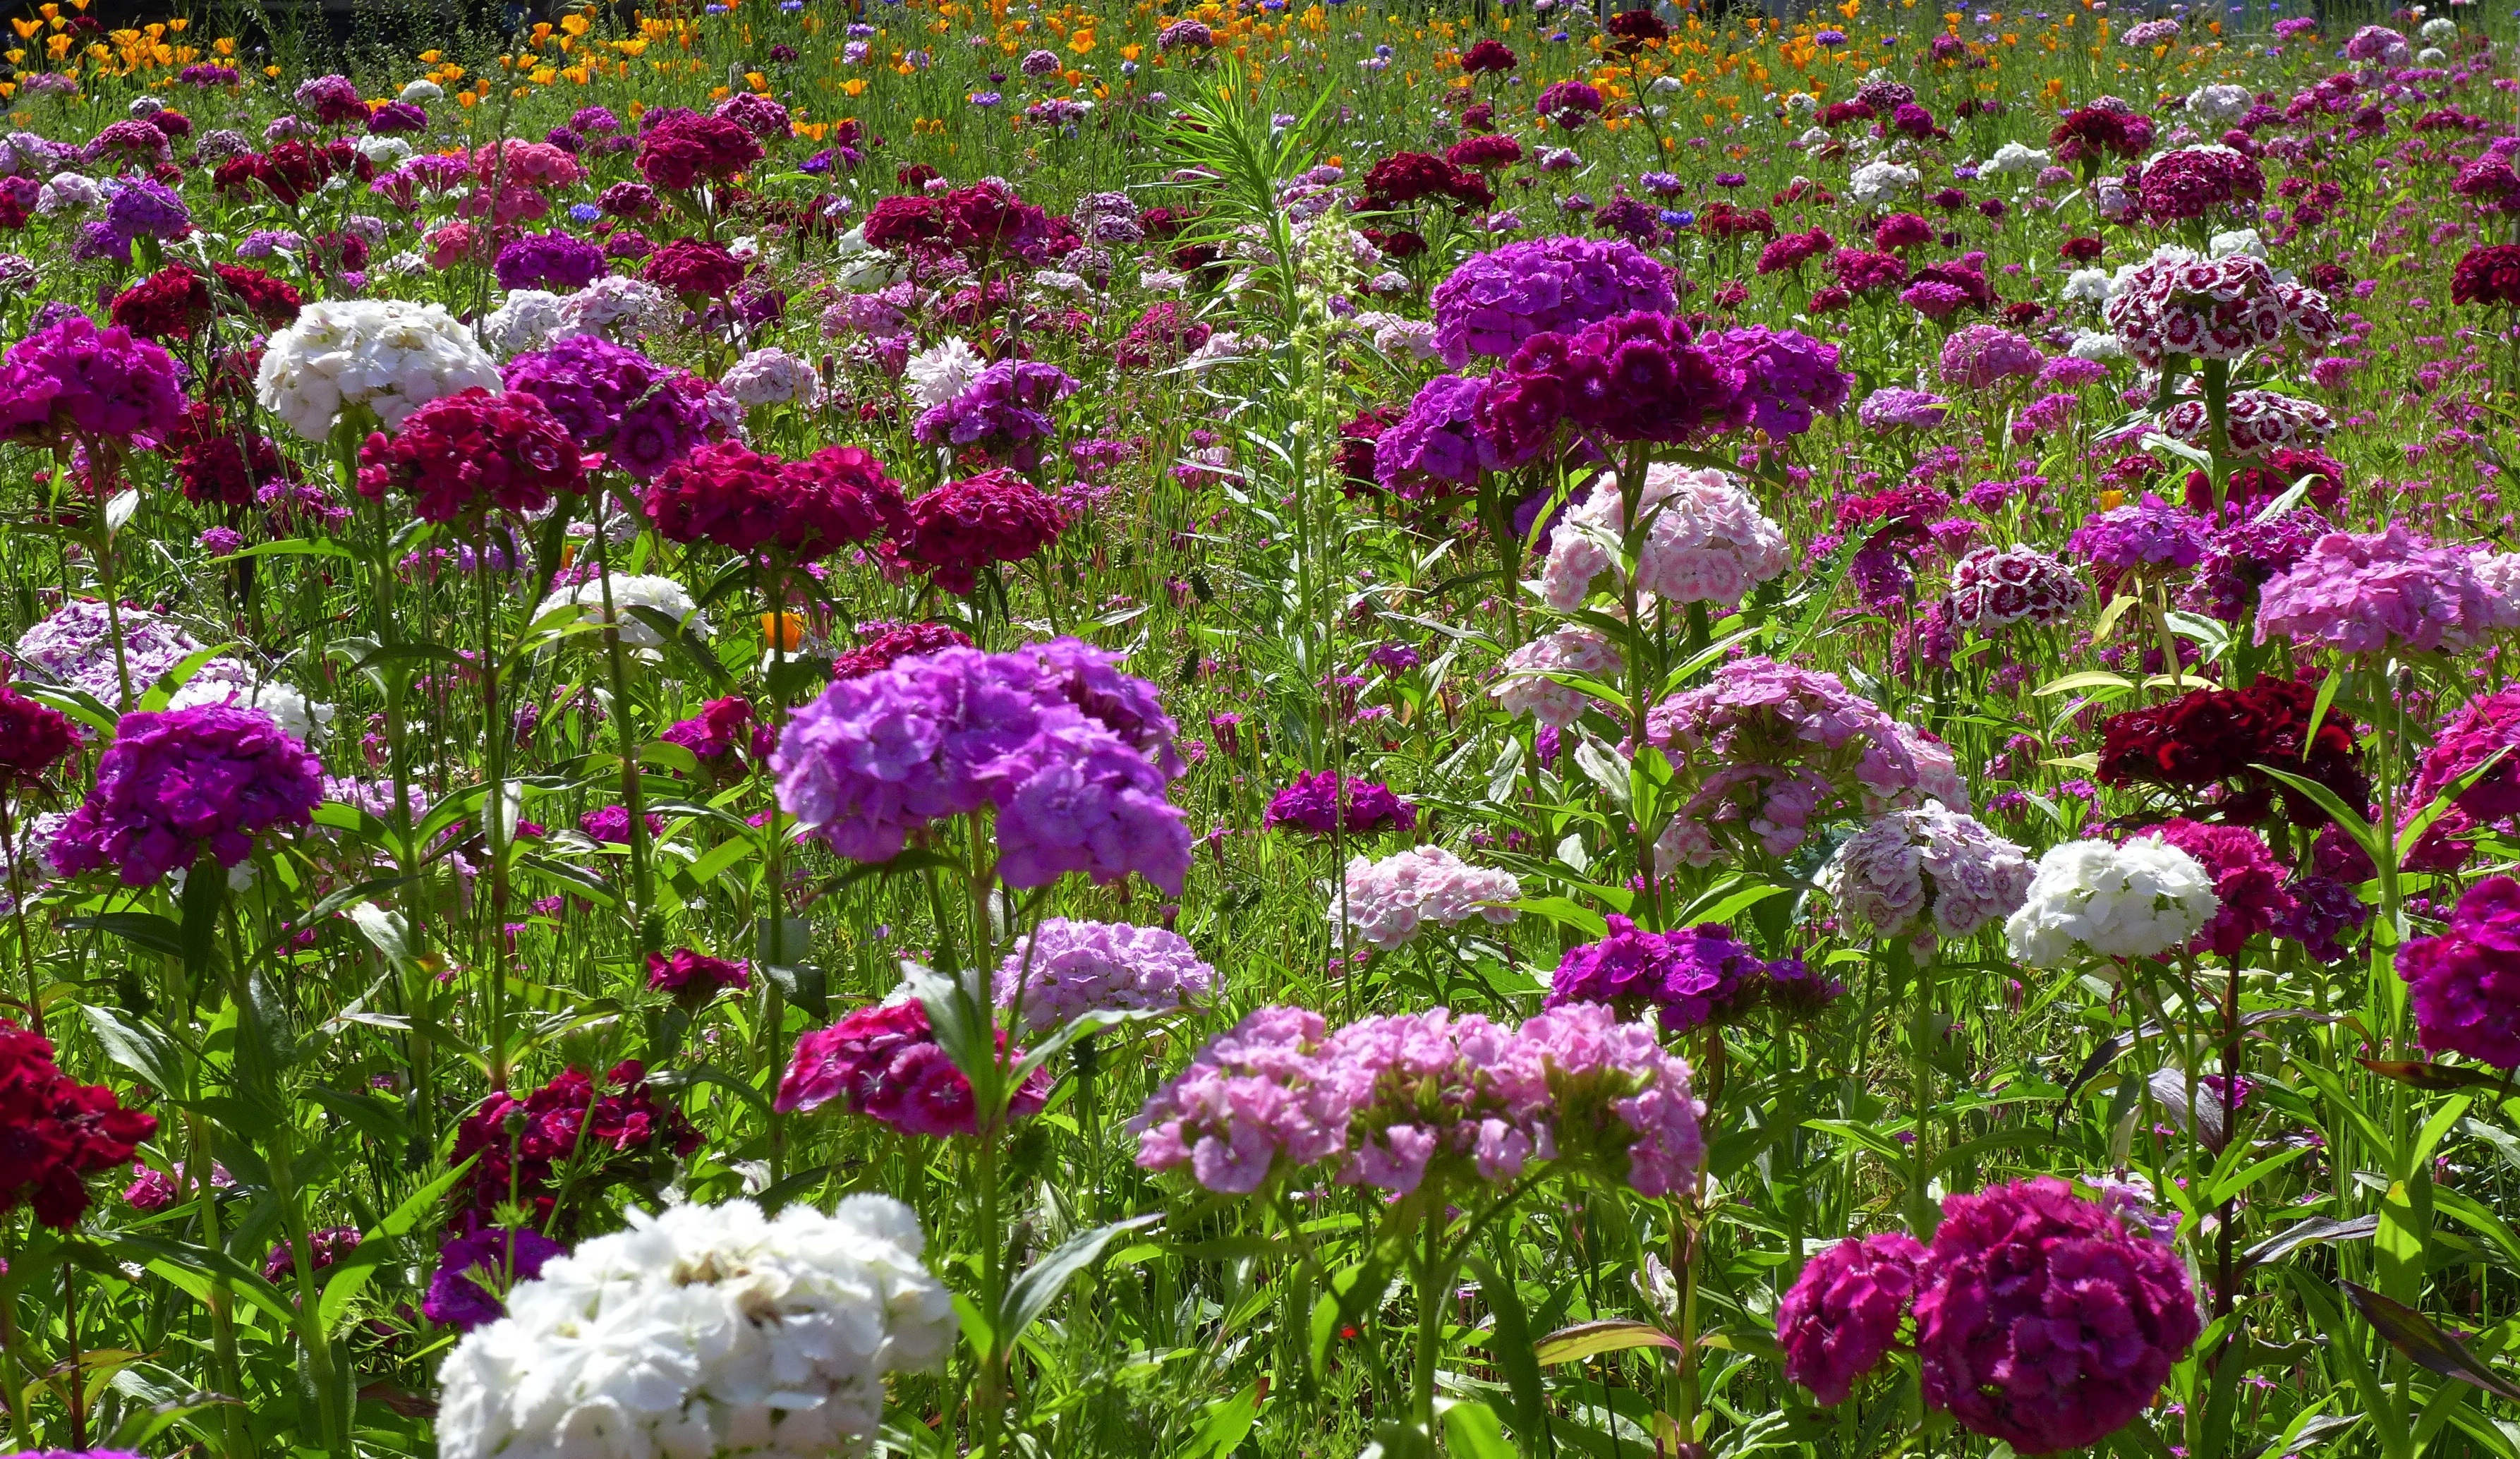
(884, 1062)
(178, 785)
(1787, 377)
(1311, 802)
(97, 382)
(2045, 1321)
(1842, 1316)
(1691, 977)
(34, 736)
(2484, 727)
(2466, 981)
(1495, 300)
(461, 455)
(973, 522)
(548, 260)
(2248, 884)
(475, 1271)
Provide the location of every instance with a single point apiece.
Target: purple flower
(2244, 556)
(1311, 804)
(548, 260)
(182, 784)
(1842, 1316)
(1495, 300)
(1069, 968)
(1073, 755)
(2142, 535)
(2360, 593)
(1438, 446)
(322, 1247)
(1001, 411)
(616, 399)
(1892, 406)
(145, 207)
(475, 1270)
(1692, 977)
(1787, 377)
(1979, 356)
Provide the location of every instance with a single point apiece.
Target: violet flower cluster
(1689, 977)
(1066, 967)
(1313, 802)
(1071, 754)
(178, 785)
(614, 399)
(1002, 411)
(2149, 534)
(1493, 301)
(2364, 592)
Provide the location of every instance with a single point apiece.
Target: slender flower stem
(495, 733)
(625, 726)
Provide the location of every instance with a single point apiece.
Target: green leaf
(2088, 680)
(145, 929)
(1560, 910)
(348, 1276)
(1573, 1344)
(1471, 1430)
(2304, 1233)
(2437, 1078)
(139, 1048)
(2347, 820)
(2417, 1337)
(1032, 1292)
(673, 631)
(1514, 1350)
(1229, 1423)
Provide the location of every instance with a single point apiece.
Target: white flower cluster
(232, 681)
(942, 371)
(2012, 160)
(1388, 901)
(629, 591)
(705, 1332)
(1523, 687)
(389, 355)
(1876, 183)
(1706, 541)
(1067, 967)
(527, 320)
(2220, 104)
(620, 308)
(1397, 337)
(1925, 873)
(2090, 898)
(772, 377)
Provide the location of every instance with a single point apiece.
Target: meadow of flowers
(789, 729)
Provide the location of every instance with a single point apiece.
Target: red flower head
(726, 493)
(1491, 57)
(965, 525)
(2489, 276)
(694, 269)
(1629, 30)
(219, 463)
(897, 641)
(2212, 737)
(54, 1132)
(34, 736)
(273, 301)
(168, 304)
(461, 455)
(688, 150)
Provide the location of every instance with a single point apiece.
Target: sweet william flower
(2465, 983)
(387, 356)
(884, 1062)
(74, 378)
(462, 455)
(1842, 1316)
(182, 784)
(2090, 898)
(1066, 967)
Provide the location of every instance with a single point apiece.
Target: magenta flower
(2043, 1320)
(884, 1063)
(1842, 1316)
(183, 784)
(2466, 981)
(95, 382)
(1493, 301)
(1312, 804)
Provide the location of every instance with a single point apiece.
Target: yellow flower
(541, 76)
(2110, 501)
(430, 57)
(757, 81)
(854, 86)
(1082, 42)
(26, 30)
(49, 12)
(574, 23)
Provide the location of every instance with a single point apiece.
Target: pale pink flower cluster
(1926, 873)
(1524, 688)
(1391, 900)
(1705, 541)
(1768, 749)
(2362, 592)
(1409, 1097)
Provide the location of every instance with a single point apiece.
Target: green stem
(625, 726)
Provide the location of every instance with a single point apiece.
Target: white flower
(662, 594)
(2088, 286)
(231, 681)
(2431, 56)
(1161, 280)
(1524, 688)
(2440, 30)
(384, 151)
(1925, 873)
(1389, 901)
(422, 93)
(941, 372)
(1880, 182)
(391, 356)
(1813, 136)
(1053, 281)
(1707, 543)
(703, 1331)
(2218, 105)
(2012, 160)
(69, 195)
(2093, 899)
(1395, 336)
(2092, 344)
(744, 248)
(1223, 347)
(1802, 103)
(772, 377)
(617, 307)
(527, 320)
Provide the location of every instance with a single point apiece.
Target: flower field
(780, 728)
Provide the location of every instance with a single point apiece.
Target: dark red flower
(574, 1123)
(2217, 737)
(461, 454)
(275, 302)
(694, 268)
(2490, 276)
(34, 736)
(688, 150)
(218, 463)
(897, 641)
(966, 524)
(168, 304)
(1492, 57)
(55, 1132)
(900, 223)
(1629, 30)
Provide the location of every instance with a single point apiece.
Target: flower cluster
(705, 1330)
(571, 1136)
(1523, 683)
(1842, 1316)
(1321, 801)
(973, 523)
(1001, 411)
(1407, 1098)
(1066, 967)
(615, 400)
(1767, 749)
(1705, 541)
(74, 377)
(1996, 587)
(2363, 592)
(1493, 301)
(2090, 898)
(475, 1270)
(1073, 755)
(726, 495)
(2217, 737)
(2248, 885)
(2256, 423)
(73, 648)
(1687, 978)
(2465, 983)
(56, 1132)
(461, 455)
(1388, 903)
(386, 357)
(884, 1062)
(179, 785)
(1925, 873)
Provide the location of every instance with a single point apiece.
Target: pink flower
(1842, 1316)
(884, 1062)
